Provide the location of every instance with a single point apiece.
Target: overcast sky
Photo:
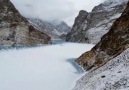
(49, 10)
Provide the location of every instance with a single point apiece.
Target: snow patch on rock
(112, 76)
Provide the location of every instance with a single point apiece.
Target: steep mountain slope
(50, 28)
(112, 76)
(108, 61)
(63, 28)
(111, 44)
(77, 33)
(15, 30)
(96, 23)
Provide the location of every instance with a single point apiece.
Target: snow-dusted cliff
(107, 63)
(112, 76)
(96, 23)
(15, 30)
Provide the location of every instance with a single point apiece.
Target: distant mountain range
(53, 29)
(16, 30)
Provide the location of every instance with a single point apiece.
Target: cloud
(50, 10)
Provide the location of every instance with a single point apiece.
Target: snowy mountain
(15, 30)
(54, 30)
(109, 5)
(107, 63)
(63, 28)
(96, 23)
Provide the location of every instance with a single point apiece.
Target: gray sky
(51, 10)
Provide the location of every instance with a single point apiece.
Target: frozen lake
(41, 68)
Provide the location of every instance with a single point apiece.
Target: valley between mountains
(93, 54)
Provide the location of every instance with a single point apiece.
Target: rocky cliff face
(77, 33)
(15, 30)
(108, 62)
(112, 44)
(96, 23)
(50, 28)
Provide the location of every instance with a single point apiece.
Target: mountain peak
(109, 2)
(90, 27)
(54, 28)
(109, 5)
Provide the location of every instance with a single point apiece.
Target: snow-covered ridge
(112, 76)
(109, 5)
(96, 23)
(115, 2)
(55, 30)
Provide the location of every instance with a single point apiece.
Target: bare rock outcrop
(15, 30)
(107, 64)
(96, 23)
(111, 45)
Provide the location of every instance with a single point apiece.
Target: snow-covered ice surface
(112, 76)
(40, 68)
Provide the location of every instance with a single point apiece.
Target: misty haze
(51, 10)
(64, 45)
